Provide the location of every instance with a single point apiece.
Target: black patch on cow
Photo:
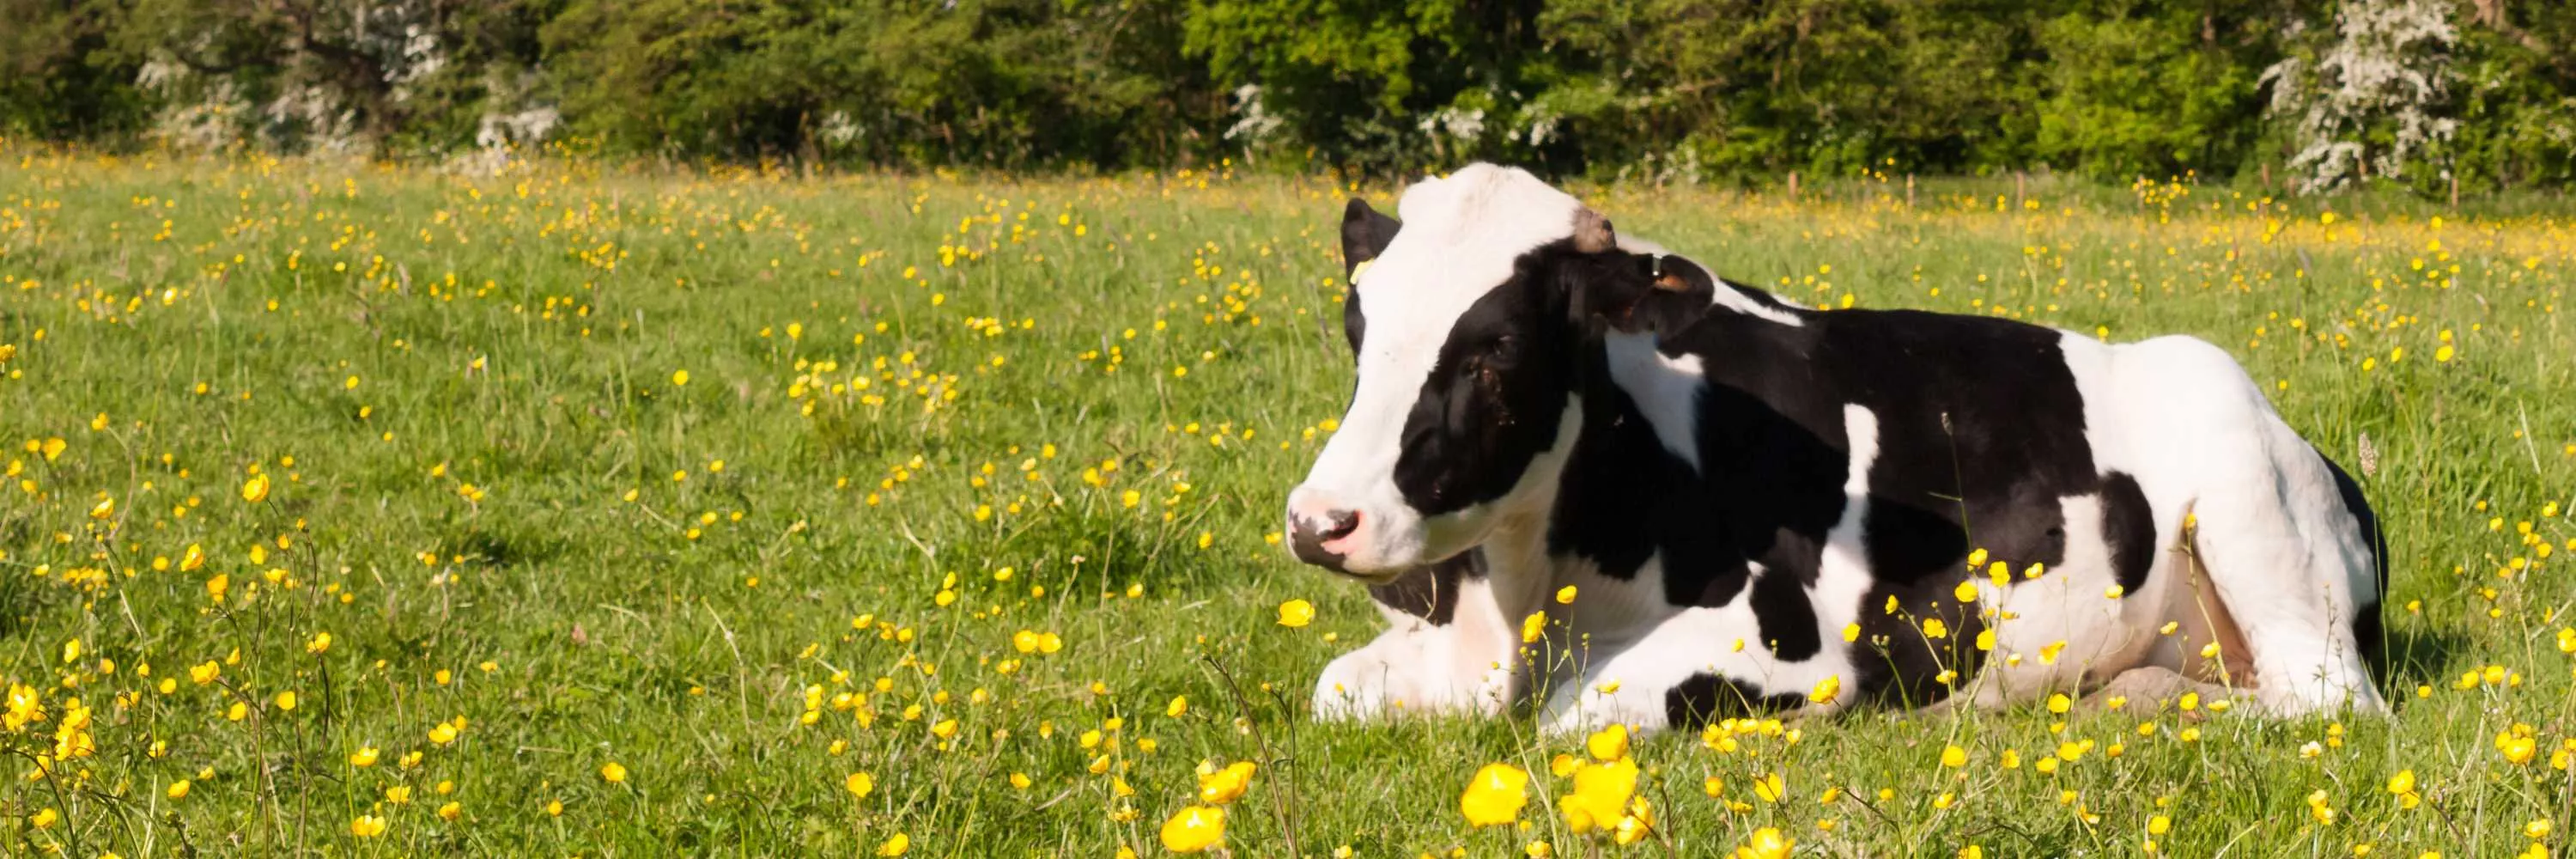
(1496, 394)
(2129, 526)
(1980, 436)
(2366, 623)
(1365, 234)
(1623, 499)
(1706, 698)
(1788, 620)
(1431, 593)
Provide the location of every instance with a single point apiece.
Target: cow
(1590, 481)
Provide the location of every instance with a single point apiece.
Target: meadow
(358, 510)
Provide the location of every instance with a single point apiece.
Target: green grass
(454, 384)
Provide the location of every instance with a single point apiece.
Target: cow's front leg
(1414, 668)
(1449, 650)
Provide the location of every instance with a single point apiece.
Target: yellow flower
(365, 756)
(1609, 744)
(178, 789)
(1194, 829)
(1954, 757)
(1765, 843)
(2402, 783)
(2517, 744)
(1296, 613)
(679, 378)
(613, 772)
(286, 701)
(1600, 795)
(1770, 788)
(859, 784)
(895, 846)
(1495, 795)
(1218, 787)
(45, 819)
(1180, 704)
(367, 826)
(1634, 827)
(451, 811)
(1827, 689)
(255, 490)
(1565, 595)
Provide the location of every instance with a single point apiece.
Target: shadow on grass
(2415, 657)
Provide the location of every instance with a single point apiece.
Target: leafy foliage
(1654, 90)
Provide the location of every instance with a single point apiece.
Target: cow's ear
(1630, 293)
(1365, 233)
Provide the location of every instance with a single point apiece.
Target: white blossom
(2389, 65)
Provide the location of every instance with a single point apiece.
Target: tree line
(2422, 92)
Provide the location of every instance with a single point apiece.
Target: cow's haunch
(1764, 507)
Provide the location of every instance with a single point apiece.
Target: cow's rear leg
(2287, 562)
(2272, 581)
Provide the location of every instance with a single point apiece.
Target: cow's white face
(1459, 317)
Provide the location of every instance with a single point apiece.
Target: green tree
(995, 82)
(58, 80)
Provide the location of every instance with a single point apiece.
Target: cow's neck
(1677, 457)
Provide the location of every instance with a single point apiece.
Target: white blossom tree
(2373, 100)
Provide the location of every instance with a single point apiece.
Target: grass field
(356, 510)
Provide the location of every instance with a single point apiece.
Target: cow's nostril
(1339, 524)
(1307, 539)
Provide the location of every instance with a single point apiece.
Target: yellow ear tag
(1363, 266)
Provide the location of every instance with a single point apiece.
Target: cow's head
(1467, 318)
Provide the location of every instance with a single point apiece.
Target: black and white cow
(1759, 504)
